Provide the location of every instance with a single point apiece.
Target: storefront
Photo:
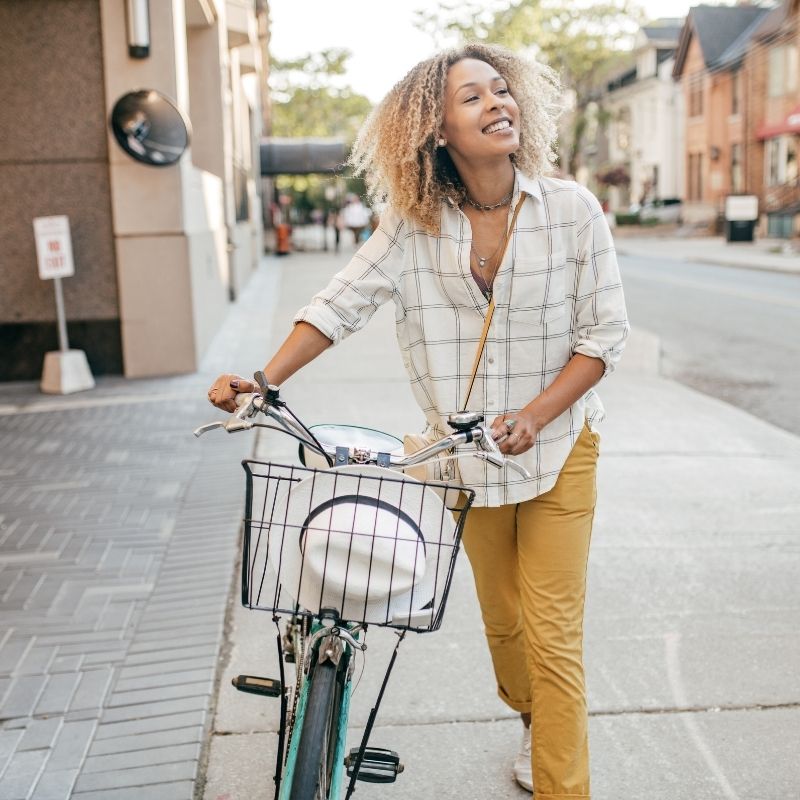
(782, 175)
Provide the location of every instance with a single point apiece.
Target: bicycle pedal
(379, 765)
(268, 687)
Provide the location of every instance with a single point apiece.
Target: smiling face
(481, 119)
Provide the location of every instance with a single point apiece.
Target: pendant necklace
(486, 289)
(483, 259)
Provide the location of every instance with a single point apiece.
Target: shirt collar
(531, 186)
(522, 183)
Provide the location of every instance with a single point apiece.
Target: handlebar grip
(242, 399)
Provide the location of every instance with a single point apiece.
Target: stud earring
(442, 142)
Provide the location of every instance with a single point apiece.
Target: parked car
(668, 209)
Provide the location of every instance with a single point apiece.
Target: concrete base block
(66, 372)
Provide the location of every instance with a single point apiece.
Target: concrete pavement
(119, 537)
(692, 613)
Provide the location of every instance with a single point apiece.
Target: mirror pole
(138, 18)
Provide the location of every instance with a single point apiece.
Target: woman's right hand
(223, 391)
(303, 345)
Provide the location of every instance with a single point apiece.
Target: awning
(302, 156)
(790, 124)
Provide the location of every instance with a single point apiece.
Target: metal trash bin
(739, 230)
(741, 215)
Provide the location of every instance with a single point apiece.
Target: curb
(717, 262)
(642, 353)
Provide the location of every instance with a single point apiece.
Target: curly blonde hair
(396, 149)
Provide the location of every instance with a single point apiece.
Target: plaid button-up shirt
(557, 292)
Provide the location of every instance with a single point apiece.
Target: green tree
(580, 40)
(309, 98)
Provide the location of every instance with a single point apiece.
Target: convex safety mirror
(150, 128)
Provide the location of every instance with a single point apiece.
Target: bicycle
(362, 559)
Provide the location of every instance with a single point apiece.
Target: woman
(453, 150)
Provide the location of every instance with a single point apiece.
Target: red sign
(53, 247)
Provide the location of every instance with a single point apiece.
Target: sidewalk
(119, 537)
(692, 613)
(775, 255)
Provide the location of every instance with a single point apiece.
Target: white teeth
(497, 126)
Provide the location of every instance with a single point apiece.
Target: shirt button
(491, 360)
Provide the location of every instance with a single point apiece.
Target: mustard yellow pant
(529, 563)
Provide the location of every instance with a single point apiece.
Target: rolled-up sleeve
(600, 326)
(353, 295)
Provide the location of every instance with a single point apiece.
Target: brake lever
(209, 426)
(239, 420)
(491, 453)
(494, 460)
(518, 468)
(231, 426)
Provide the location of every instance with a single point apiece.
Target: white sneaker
(523, 774)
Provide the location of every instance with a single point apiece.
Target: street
(728, 332)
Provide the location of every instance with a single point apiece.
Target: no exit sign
(53, 247)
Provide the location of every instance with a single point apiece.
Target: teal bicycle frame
(337, 773)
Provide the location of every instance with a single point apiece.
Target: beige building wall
(652, 109)
(160, 251)
(188, 208)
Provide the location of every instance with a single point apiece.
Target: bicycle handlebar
(469, 428)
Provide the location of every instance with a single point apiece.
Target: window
(737, 183)
(775, 81)
(736, 88)
(695, 173)
(690, 177)
(696, 95)
(624, 129)
(780, 157)
(784, 65)
(772, 158)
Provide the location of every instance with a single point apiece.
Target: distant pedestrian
(355, 217)
(460, 150)
(332, 221)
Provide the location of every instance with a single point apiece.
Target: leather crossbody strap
(490, 309)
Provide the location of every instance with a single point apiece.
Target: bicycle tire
(315, 734)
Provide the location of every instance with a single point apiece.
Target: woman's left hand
(515, 433)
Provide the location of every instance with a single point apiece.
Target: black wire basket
(367, 542)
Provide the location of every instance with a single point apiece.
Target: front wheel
(311, 773)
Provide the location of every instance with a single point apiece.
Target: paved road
(728, 332)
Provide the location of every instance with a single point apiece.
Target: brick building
(710, 64)
(772, 67)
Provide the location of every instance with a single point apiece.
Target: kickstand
(371, 721)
